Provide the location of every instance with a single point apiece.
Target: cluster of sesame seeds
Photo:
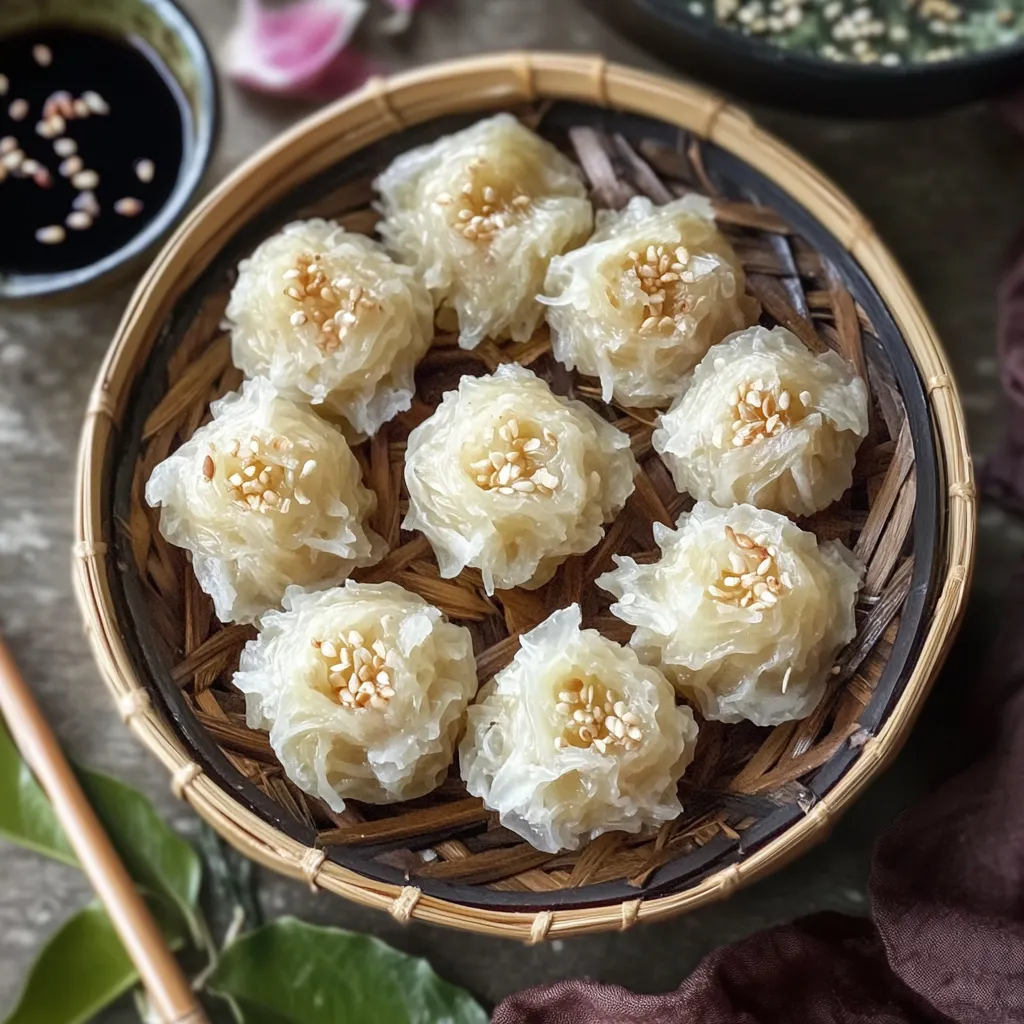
(855, 31)
(595, 717)
(752, 578)
(661, 272)
(517, 462)
(758, 412)
(263, 476)
(333, 304)
(479, 210)
(360, 673)
(58, 110)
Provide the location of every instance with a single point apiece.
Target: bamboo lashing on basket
(481, 84)
(169, 991)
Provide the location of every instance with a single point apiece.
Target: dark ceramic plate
(758, 72)
(161, 28)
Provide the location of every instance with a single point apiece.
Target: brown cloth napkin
(947, 900)
(946, 939)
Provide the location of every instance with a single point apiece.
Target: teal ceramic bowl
(162, 28)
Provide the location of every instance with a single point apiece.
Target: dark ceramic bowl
(759, 72)
(164, 28)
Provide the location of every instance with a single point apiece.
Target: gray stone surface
(945, 194)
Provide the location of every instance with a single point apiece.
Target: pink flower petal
(289, 49)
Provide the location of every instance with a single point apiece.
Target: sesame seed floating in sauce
(78, 220)
(128, 207)
(65, 147)
(51, 235)
(18, 110)
(70, 167)
(144, 170)
(95, 102)
(85, 180)
(86, 201)
(42, 55)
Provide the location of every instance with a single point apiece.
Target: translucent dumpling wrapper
(765, 421)
(329, 318)
(744, 611)
(511, 479)
(363, 689)
(644, 299)
(479, 214)
(574, 737)
(265, 495)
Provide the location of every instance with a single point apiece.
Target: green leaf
(159, 860)
(26, 816)
(163, 863)
(290, 972)
(82, 969)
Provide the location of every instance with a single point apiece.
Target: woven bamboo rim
(377, 111)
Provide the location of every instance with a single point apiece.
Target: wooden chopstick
(169, 991)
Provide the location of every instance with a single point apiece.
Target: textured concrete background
(946, 195)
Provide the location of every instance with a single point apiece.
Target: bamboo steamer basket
(917, 525)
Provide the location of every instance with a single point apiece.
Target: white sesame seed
(42, 55)
(144, 170)
(95, 102)
(79, 108)
(70, 167)
(78, 220)
(85, 180)
(86, 201)
(50, 235)
(18, 110)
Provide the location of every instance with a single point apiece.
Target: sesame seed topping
(750, 578)
(594, 715)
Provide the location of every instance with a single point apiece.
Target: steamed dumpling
(766, 421)
(575, 737)
(265, 495)
(363, 689)
(644, 299)
(511, 479)
(479, 214)
(329, 318)
(744, 611)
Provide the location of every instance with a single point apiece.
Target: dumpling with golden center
(644, 299)
(329, 318)
(744, 611)
(766, 421)
(363, 689)
(512, 479)
(574, 737)
(265, 495)
(479, 214)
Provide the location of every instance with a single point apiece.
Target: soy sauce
(140, 115)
